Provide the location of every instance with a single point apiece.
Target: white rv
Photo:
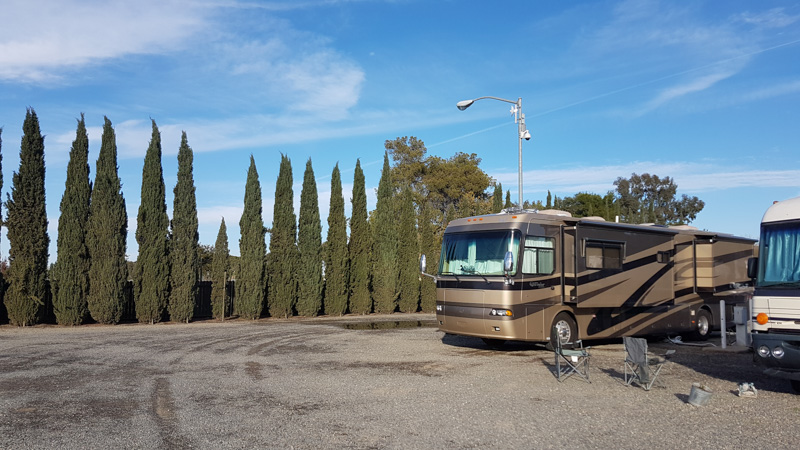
(776, 298)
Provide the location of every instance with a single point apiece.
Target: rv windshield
(478, 253)
(779, 259)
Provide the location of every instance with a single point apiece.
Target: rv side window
(603, 255)
(539, 256)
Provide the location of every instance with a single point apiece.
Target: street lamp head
(464, 104)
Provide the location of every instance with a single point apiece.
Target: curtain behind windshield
(780, 260)
(479, 253)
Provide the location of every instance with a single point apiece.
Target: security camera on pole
(519, 119)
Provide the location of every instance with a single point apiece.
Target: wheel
(795, 386)
(563, 328)
(494, 343)
(702, 325)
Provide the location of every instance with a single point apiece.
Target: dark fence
(202, 305)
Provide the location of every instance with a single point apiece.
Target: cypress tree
(27, 230)
(360, 248)
(184, 240)
(309, 245)
(107, 233)
(252, 250)
(219, 273)
(3, 312)
(337, 261)
(549, 200)
(407, 254)
(151, 285)
(508, 203)
(70, 274)
(385, 269)
(429, 247)
(497, 198)
(283, 246)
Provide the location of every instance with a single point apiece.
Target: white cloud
(690, 177)
(692, 86)
(45, 37)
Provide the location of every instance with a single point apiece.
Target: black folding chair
(641, 366)
(571, 361)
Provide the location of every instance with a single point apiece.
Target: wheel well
(572, 316)
(710, 311)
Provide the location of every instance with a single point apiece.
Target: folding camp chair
(571, 361)
(641, 366)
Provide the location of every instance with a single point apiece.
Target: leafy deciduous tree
(650, 199)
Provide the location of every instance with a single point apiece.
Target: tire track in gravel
(165, 414)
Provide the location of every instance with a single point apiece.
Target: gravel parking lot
(349, 382)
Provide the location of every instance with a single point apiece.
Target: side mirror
(508, 262)
(752, 267)
(423, 267)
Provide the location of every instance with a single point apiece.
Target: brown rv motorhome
(532, 276)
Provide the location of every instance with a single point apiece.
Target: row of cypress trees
(375, 270)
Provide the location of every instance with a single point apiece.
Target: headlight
(763, 351)
(777, 352)
(501, 312)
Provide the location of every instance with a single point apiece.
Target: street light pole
(519, 119)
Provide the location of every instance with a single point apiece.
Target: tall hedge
(385, 269)
(283, 251)
(220, 273)
(184, 240)
(430, 247)
(309, 245)
(252, 250)
(2, 280)
(407, 254)
(107, 233)
(337, 261)
(360, 248)
(27, 230)
(151, 285)
(69, 276)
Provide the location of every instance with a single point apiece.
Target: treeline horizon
(373, 268)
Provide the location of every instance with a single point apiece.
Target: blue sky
(705, 92)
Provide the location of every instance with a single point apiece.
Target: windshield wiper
(451, 273)
(474, 272)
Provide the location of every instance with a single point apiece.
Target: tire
(493, 343)
(563, 328)
(795, 386)
(703, 326)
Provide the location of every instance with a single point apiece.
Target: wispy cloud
(690, 177)
(41, 39)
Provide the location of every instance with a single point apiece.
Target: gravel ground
(310, 383)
